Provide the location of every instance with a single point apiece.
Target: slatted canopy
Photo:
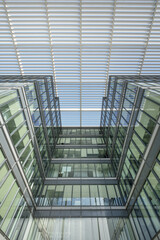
(80, 43)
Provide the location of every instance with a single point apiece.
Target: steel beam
(122, 98)
(80, 136)
(50, 108)
(133, 118)
(28, 117)
(79, 146)
(80, 160)
(111, 109)
(80, 181)
(14, 163)
(42, 117)
(3, 236)
(146, 166)
(51, 212)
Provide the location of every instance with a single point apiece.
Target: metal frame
(110, 46)
(31, 130)
(43, 118)
(13, 160)
(80, 181)
(103, 114)
(80, 160)
(148, 162)
(103, 122)
(152, 149)
(137, 78)
(133, 118)
(49, 104)
(79, 146)
(111, 111)
(2, 233)
(119, 116)
(51, 212)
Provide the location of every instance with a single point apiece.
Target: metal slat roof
(80, 43)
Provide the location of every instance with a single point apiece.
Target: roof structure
(80, 43)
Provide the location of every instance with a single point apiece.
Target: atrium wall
(28, 134)
(83, 183)
(130, 123)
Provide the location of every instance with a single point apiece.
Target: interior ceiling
(80, 43)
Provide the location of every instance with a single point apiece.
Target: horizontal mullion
(81, 181)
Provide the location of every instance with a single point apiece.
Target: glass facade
(17, 127)
(134, 152)
(143, 222)
(76, 228)
(83, 152)
(25, 151)
(88, 144)
(84, 195)
(79, 183)
(142, 132)
(79, 170)
(14, 212)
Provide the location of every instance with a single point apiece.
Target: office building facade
(130, 126)
(30, 126)
(79, 183)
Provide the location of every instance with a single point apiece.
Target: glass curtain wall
(26, 118)
(144, 220)
(17, 126)
(15, 215)
(131, 137)
(87, 144)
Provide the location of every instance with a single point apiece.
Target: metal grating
(80, 42)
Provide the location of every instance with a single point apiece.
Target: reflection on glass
(80, 170)
(85, 195)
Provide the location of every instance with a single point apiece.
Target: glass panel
(76, 195)
(23, 144)
(3, 171)
(112, 195)
(6, 186)
(151, 108)
(11, 108)
(85, 195)
(94, 195)
(19, 134)
(67, 195)
(58, 196)
(6, 204)
(15, 122)
(1, 156)
(91, 170)
(10, 95)
(99, 170)
(103, 195)
(26, 153)
(11, 212)
(139, 143)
